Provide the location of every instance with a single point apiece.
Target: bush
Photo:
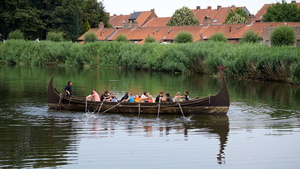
(90, 37)
(55, 36)
(150, 39)
(17, 34)
(121, 38)
(251, 37)
(283, 36)
(183, 37)
(218, 37)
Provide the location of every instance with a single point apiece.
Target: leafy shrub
(283, 36)
(150, 39)
(55, 36)
(218, 37)
(90, 37)
(17, 34)
(251, 37)
(183, 37)
(121, 38)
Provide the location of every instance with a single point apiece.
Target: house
(136, 18)
(218, 15)
(139, 25)
(233, 32)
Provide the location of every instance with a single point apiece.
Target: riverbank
(243, 60)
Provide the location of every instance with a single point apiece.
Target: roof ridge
(148, 22)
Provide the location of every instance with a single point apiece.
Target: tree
(238, 15)
(93, 12)
(121, 38)
(86, 26)
(251, 37)
(19, 15)
(183, 37)
(90, 37)
(35, 18)
(150, 39)
(183, 17)
(282, 12)
(218, 37)
(66, 18)
(283, 36)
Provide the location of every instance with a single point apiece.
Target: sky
(166, 8)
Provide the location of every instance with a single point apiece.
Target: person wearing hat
(168, 99)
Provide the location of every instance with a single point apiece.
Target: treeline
(243, 60)
(35, 18)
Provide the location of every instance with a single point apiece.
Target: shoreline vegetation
(243, 61)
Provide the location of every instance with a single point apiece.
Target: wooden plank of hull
(215, 104)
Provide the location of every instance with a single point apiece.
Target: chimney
(232, 7)
(219, 7)
(207, 21)
(294, 2)
(153, 10)
(251, 19)
(134, 24)
(114, 14)
(198, 8)
(209, 7)
(101, 25)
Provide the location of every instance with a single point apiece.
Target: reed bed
(243, 60)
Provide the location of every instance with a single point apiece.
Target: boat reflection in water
(212, 126)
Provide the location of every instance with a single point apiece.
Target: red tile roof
(102, 34)
(157, 22)
(117, 21)
(144, 17)
(218, 15)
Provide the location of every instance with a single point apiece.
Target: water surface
(261, 129)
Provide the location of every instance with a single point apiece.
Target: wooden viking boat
(213, 104)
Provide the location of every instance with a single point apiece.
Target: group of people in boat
(129, 97)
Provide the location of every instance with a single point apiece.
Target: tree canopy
(238, 15)
(183, 17)
(36, 18)
(282, 12)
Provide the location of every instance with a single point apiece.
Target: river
(261, 129)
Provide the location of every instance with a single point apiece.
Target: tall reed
(243, 60)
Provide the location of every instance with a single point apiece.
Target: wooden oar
(139, 109)
(100, 106)
(158, 108)
(181, 109)
(85, 105)
(111, 108)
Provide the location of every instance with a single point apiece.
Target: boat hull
(214, 104)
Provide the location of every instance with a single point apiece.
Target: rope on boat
(111, 108)
(158, 108)
(181, 109)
